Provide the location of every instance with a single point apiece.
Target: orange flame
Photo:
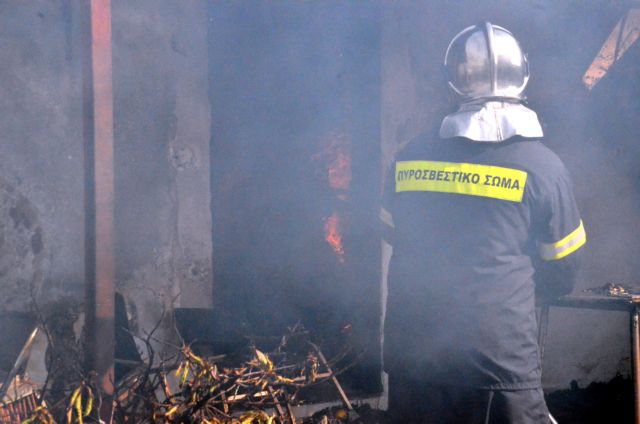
(337, 159)
(336, 156)
(333, 236)
(340, 170)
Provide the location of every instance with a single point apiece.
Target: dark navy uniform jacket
(473, 225)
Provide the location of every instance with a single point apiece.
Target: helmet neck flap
(491, 122)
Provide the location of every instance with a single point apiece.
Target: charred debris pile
(262, 380)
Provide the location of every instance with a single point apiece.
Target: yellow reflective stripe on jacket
(564, 247)
(461, 178)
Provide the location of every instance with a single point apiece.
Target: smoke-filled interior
(251, 141)
(296, 165)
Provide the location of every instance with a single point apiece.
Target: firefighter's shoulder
(536, 157)
(547, 174)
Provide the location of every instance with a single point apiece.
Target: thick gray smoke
(295, 165)
(251, 139)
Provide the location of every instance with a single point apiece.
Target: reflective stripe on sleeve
(386, 217)
(564, 247)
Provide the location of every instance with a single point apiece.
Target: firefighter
(481, 216)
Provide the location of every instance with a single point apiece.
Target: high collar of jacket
(491, 121)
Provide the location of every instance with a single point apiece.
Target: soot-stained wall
(594, 132)
(41, 208)
(162, 127)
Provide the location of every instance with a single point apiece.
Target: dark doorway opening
(295, 160)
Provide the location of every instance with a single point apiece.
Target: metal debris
(613, 289)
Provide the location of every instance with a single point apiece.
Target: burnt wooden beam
(625, 33)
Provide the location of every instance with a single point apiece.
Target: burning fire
(333, 236)
(336, 156)
(340, 169)
(338, 159)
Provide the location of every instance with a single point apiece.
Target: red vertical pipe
(99, 196)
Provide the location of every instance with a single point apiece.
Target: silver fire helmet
(486, 61)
